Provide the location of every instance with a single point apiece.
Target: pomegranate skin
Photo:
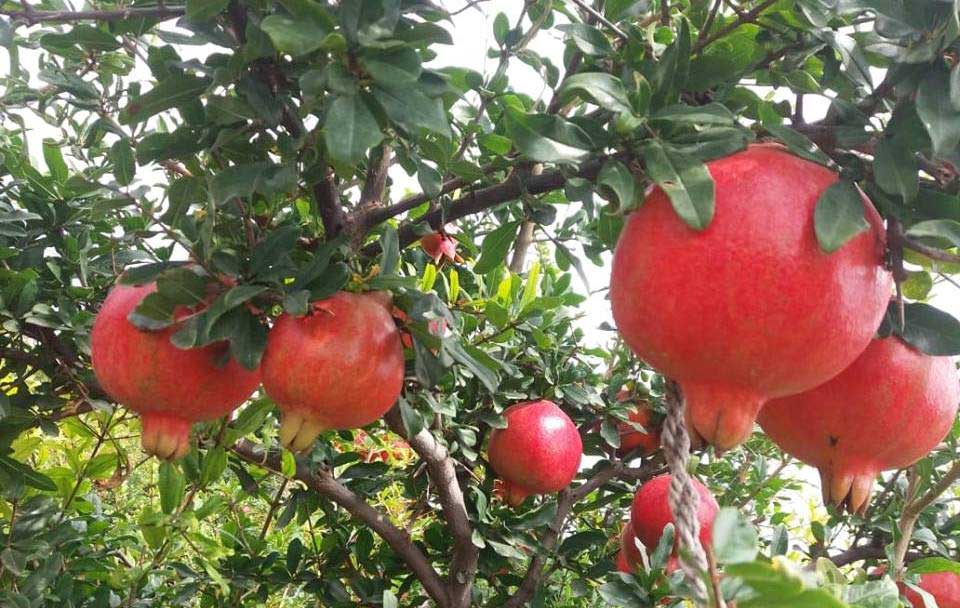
(943, 586)
(538, 453)
(439, 246)
(631, 439)
(629, 548)
(750, 308)
(886, 411)
(169, 387)
(339, 367)
(650, 512)
(623, 565)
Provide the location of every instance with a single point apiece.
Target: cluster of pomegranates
(338, 367)
(752, 318)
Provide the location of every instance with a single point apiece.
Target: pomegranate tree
(750, 308)
(338, 367)
(886, 411)
(651, 512)
(943, 586)
(538, 453)
(171, 388)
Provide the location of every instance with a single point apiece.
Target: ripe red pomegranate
(339, 367)
(171, 388)
(651, 512)
(623, 565)
(632, 439)
(886, 411)
(538, 453)
(750, 308)
(439, 245)
(943, 586)
(629, 548)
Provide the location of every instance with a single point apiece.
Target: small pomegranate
(651, 512)
(339, 367)
(943, 586)
(440, 245)
(886, 411)
(749, 308)
(171, 388)
(629, 548)
(646, 441)
(538, 453)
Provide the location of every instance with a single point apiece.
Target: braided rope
(684, 499)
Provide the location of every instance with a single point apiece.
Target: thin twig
(747, 17)
(32, 17)
(599, 17)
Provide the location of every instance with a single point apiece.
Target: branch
(326, 485)
(32, 17)
(913, 509)
(931, 252)
(568, 498)
(443, 474)
(376, 183)
(747, 17)
(486, 198)
(331, 209)
(865, 552)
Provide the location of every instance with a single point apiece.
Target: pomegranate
(629, 548)
(440, 246)
(651, 512)
(623, 565)
(886, 411)
(749, 308)
(339, 367)
(646, 441)
(169, 387)
(943, 586)
(539, 451)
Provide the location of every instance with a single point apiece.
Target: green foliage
(234, 153)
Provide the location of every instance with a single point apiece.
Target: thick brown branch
(332, 215)
(865, 552)
(376, 182)
(443, 474)
(326, 485)
(486, 198)
(568, 498)
(32, 17)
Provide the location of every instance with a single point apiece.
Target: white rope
(684, 499)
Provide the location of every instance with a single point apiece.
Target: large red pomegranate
(750, 308)
(886, 411)
(538, 453)
(169, 387)
(338, 367)
(651, 512)
(943, 586)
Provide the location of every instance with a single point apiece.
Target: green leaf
(204, 10)
(248, 340)
(469, 357)
(610, 431)
(501, 25)
(390, 248)
(396, 67)
(798, 143)
(588, 39)
(936, 111)
(87, 37)
(895, 168)
(413, 422)
(182, 286)
(152, 313)
(933, 564)
(917, 286)
(430, 179)
(620, 594)
(214, 464)
(294, 36)
(26, 475)
(140, 275)
(273, 249)
(930, 330)
(176, 90)
(616, 178)
(412, 110)
(350, 129)
(839, 215)
(710, 114)
(171, 484)
(54, 159)
(288, 464)
(389, 599)
(124, 165)
(685, 180)
(495, 246)
(603, 89)
(734, 537)
(947, 231)
(547, 138)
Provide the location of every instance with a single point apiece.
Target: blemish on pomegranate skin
(833, 440)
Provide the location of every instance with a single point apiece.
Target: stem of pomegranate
(684, 500)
